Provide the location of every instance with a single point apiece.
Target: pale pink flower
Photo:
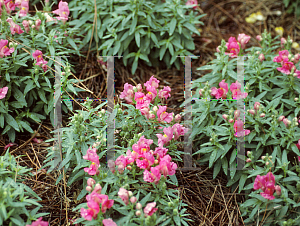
(24, 8)
(152, 92)
(142, 146)
(164, 139)
(146, 162)
(133, 199)
(261, 57)
(278, 190)
(256, 106)
(128, 93)
(237, 114)
(236, 92)
(38, 24)
(152, 82)
(26, 25)
(139, 87)
(111, 165)
(165, 92)
(14, 28)
(150, 209)
(139, 98)
(39, 222)
(10, 6)
(131, 156)
(123, 194)
(239, 128)
(3, 92)
(259, 38)
(121, 162)
(98, 188)
(37, 140)
(243, 40)
(38, 56)
(282, 41)
(163, 115)
(286, 122)
(4, 50)
(109, 222)
(160, 152)
(63, 11)
(192, 2)
(178, 130)
(91, 182)
(177, 117)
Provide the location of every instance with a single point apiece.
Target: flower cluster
(287, 63)
(235, 88)
(92, 156)
(135, 95)
(267, 184)
(233, 45)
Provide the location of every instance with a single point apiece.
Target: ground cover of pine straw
(210, 201)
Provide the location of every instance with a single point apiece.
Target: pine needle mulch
(209, 201)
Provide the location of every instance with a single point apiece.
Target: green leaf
(42, 95)
(242, 182)
(217, 168)
(172, 26)
(212, 158)
(30, 85)
(295, 149)
(12, 122)
(134, 67)
(72, 43)
(145, 199)
(137, 38)
(224, 165)
(191, 28)
(25, 125)
(133, 25)
(162, 52)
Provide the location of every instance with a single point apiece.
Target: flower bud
(225, 116)
(262, 115)
(263, 157)
(259, 38)
(139, 87)
(210, 139)
(103, 111)
(138, 206)
(252, 111)
(177, 118)
(30, 22)
(138, 213)
(200, 92)
(230, 120)
(130, 193)
(88, 188)
(128, 167)
(91, 182)
(296, 99)
(218, 49)
(155, 109)
(237, 114)
(256, 106)
(249, 153)
(248, 160)
(281, 118)
(133, 199)
(175, 212)
(134, 89)
(261, 57)
(267, 163)
(155, 161)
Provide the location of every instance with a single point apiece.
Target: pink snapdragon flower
(142, 146)
(26, 25)
(63, 11)
(91, 212)
(160, 152)
(236, 92)
(128, 93)
(131, 156)
(121, 162)
(38, 56)
(139, 98)
(14, 28)
(93, 169)
(92, 156)
(284, 54)
(192, 2)
(239, 128)
(147, 162)
(243, 40)
(39, 222)
(149, 209)
(221, 92)
(165, 92)
(286, 67)
(10, 6)
(152, 82)
(164, 139)
(153, 176)
(178, 130)
(123, 194)
(18, 3)
(91, 182)
(38, 24)
(163, 115)
(261, 57)
(266, 184)
(152, 92)
(232, 46)
(4, 50)
(24, 8)
(109, 222)
(166, 166)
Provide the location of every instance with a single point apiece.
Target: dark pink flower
(233, 47)
(221, 92)
(160, 152)
(10, 6)
(178, 130)
(286, 66)
(92, 156)
(93, 169)
(149, 209)
(139, 98)
(26, 26)
(91, 212)
(39, 222)
(166, 166)
(266, 184)
(153, 176)
(3, 92)
(236, 92)
(4, 50)
(146, 162)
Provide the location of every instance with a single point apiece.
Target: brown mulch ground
(210, 201)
